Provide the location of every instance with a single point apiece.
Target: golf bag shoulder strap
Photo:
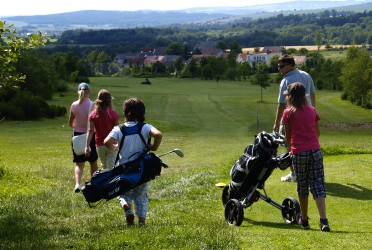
(131, 131)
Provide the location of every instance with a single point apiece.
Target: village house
(261, 58)
(265, 55)
(148, 56)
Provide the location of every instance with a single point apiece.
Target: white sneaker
(77, 188)
(291, 177)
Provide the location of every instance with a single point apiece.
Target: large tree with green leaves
(26, 79)
(11, 48)
(356, 77)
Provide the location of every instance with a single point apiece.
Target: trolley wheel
(290, 209)
(225, 195)
(234, 212)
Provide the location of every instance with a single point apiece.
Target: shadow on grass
(313, 226)
(20, 230)
(281, 225)
(350, 191)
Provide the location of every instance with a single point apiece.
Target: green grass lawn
(212, 124)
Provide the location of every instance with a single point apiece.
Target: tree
(11, 49)
(318, 39)
(102, 63)
(175, 49)
(178, 64)
(42, 79)
(273, 64)
(356, 77)
(261, 77)
(221, 45)
(158, 68)
(193, 68)
(246, 70)
(235, 47)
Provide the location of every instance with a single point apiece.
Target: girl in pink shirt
(101, 121)
(302, 131)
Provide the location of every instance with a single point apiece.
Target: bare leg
(93, 167)
(79, 169)
(320, 203)
(304, 203)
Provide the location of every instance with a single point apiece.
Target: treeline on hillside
(48, 74)
(300, 29)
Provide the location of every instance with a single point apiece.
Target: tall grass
(212, 124)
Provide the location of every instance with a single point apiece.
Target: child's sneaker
(324, 226)
(291, 177)
(77, 188)
(129, 215)
(303, 223)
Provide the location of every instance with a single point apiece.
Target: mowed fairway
(212, 124)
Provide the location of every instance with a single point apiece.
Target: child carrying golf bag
(250, 172)
(108, 184)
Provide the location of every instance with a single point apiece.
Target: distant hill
(92, 19)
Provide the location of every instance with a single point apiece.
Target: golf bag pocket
(240, 169)
(108, 184)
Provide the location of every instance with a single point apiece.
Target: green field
(212, 124)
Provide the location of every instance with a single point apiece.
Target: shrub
(344, 96)
(25, 106)
(9, 111)
(61, 86)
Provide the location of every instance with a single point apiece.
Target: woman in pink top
(302, 131)
(78, 120)
(101, 121)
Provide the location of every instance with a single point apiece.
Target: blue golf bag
(108, 184)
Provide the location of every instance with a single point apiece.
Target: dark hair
(104, 100)
(296, 96)
(134, 110)
(287, 59)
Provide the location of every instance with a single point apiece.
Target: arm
(111, 143)
(288, 135)
(317, 130)
(312, 98)
(71, 119)
(89, 137)
(279, 112)
(158, 136)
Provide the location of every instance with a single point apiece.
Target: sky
(43, 7)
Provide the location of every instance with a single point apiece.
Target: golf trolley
(250, 172)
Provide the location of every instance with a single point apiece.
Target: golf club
(176, 150)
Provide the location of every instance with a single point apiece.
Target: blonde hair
(83, 93)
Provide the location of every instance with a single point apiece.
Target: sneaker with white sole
(303, 223)
(291, 177)
(324, 226)
(77, 188)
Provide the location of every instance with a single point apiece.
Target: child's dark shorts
(93, 152)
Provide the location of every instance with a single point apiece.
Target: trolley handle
(279, 138)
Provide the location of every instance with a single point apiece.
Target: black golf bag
(254, 166)
(108, 184)
(250, 172)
